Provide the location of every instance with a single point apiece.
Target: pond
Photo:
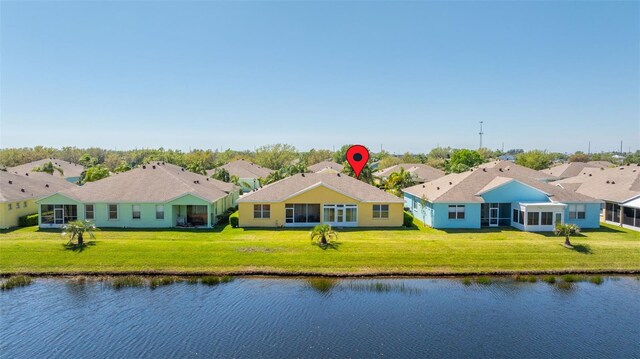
(312, 318)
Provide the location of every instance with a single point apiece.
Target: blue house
(500, 194)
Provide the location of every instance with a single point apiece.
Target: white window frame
(162, 207)
(133, 212)
(459, 210)
(380, 211)
(109, 211)
(93, 211)
(262, 211)
(17, 205)
(574, 211)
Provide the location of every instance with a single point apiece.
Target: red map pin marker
(357, 156)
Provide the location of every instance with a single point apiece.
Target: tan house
(70, 171)
(248, 173)
(326, 166)
(308, 199)
(420, 172)
(18, 194)
(618, 187)
(572, 169)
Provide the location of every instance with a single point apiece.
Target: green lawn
(410, 251)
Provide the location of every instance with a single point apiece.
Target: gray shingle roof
(244, 169)
(571, 169)
(420, 171)
(616, 184)
(326, 165)
(465, 187)
(69, 169)
(349, 186)
(35, 185)
(154, 183)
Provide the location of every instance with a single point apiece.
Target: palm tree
(77, 229)
(398, 181)
(566, 230)
(366, 175)
(323, 233)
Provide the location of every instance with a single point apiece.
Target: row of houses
(501, 193)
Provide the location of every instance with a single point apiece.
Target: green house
(156, 195)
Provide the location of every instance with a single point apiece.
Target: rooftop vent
(607, 181)
(450, 183)
(438, 188)
(500, 170)
(163, 163)
(144, 167)
(47, 185)
(423, 186)
(182, 169)
(26, 174)
(338, 175)
(613, 182)
(589, 174)
(21, 189)
(10, 182)
(154, 167)
(302, 174)
(207, 178)
(484, 170)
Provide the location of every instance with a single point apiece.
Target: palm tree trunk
(80, 240)
(567, 242)
(323, 240)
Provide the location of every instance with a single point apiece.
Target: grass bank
(417, 251)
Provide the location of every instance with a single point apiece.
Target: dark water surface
(283, 318)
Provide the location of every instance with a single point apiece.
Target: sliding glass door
(340, 214)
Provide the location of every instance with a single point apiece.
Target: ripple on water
(298, 318)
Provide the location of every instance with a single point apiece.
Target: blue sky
(404, 75)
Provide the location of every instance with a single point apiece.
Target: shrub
(224, 217)
(28, 220)
(158, 282)
(484, 280)
(16, 281)
(466, 281)
(596, 280)
(127, 281)
(526, 278)
(550, 279)
(234, 221)
(408, 220)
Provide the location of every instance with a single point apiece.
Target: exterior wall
(147, 211)
(592, 216)
(9, 218)
(514, 192)
(441, 216)
(321, 195)
(415, 207)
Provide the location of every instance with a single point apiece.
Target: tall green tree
(534, 159)
(94, 173)
(579, 156)
(462, 160)
(398, 181)
(366, 175)
(275, 156)
(221, 174)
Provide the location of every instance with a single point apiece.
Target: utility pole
(589, 150)
(620, 146)
(481, 133)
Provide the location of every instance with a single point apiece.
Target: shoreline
(287, 274)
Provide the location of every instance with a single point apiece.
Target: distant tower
(481, 133)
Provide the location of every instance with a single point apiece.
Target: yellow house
(18, 194)
(308, 199)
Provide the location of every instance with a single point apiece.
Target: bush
(16, 281)
(408, 220)
(224, 217)
(28, 220)
(233, 221)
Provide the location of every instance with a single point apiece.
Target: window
(159, 211)
(113, 211)
(9, 206)
(17, 205)
(25, 204)
(88, 211)
(262, 211)
(546, 218)
(521, 219)
(135, 211)
(533, 218)
(415, 205)
(456, 211)
(515, 215)
(380, 211)
(576, 211)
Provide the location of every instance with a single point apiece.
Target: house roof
(420, 171)
(302, 182)
(324, 165)
(617, 184)
(35, 185)
(466, 187)
(69, 169)
(571, 169)
(244, 169)
(155, 182)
